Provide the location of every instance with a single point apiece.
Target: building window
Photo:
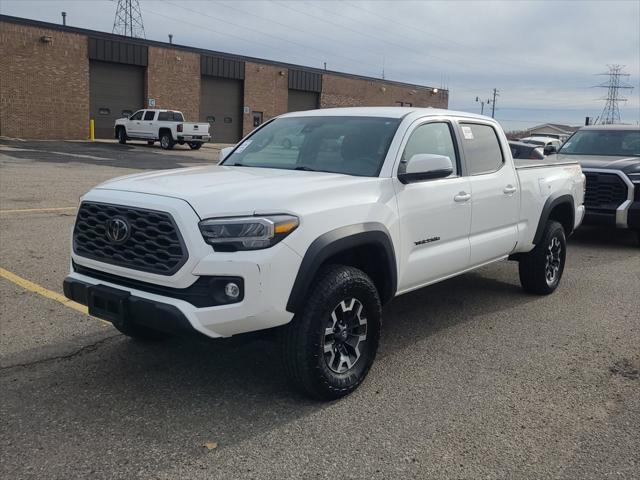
(104, 111)
(211, 119)
(228, 120)
(126, 113)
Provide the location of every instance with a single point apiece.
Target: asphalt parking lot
(474, 378)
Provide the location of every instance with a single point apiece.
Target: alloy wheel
(553, 261)
(344, 335)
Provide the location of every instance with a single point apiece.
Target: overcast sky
(543, 56)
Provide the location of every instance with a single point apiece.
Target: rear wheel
(541, 269)
(122, 136)
(195, 145)
(166, 142)
(330, 345)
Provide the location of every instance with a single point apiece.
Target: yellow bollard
(92, 135)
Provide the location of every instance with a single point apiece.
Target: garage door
(299, 100)
(221, 105)
(115, 89)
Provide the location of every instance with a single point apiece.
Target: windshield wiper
(304, 168)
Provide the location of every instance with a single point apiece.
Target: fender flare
(334, 242)
(552, 202)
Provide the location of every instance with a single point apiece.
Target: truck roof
(389, 112)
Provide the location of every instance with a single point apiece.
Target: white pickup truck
(166, 126)
(312, 240)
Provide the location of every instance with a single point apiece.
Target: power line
(611, 112)
(128, 19)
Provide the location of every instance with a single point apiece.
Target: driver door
(435, 215)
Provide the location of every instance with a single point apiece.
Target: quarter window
(434, 138)
(481, 148)
(149, 114)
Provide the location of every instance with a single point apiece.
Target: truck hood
(229, 191)
(624, 164)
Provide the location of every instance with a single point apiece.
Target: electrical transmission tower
(611, 112)
(128, 21)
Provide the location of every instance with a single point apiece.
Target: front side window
(347, 145)
(618, 143)
(137, 115)
(434, 138)
(481, 148)
(149, 115)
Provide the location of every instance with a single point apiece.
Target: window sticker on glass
(467, 132)
(242, 147)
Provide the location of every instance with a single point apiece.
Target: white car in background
(166, 126)
(550, 144)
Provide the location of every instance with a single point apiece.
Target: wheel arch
(161, 130)
(366, 246)
(558, 207)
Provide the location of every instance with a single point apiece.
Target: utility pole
(493, 104)
(482, 104)
(611, 112)
(128, 19)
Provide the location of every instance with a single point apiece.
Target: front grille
(154, 243)
(605, 191)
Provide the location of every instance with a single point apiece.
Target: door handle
(509, 189)
(462, 197)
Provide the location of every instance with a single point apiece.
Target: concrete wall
(44, 87)
(339, 91)
(173, 80)
(265, 90)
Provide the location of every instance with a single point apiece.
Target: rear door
(495, 198)
(435, 215)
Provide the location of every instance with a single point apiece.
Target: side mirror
(224, 153)
(426, 166)
(549, 149)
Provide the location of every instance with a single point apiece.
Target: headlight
(247, 233)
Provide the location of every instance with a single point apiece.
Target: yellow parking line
(35, 288)
(38, 210)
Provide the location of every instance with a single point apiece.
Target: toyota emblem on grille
(118, 230)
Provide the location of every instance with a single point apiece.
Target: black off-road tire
(140, 333)
(122, 136)
(166, 141)
(195, 145)
(303, 340)
(536, 265)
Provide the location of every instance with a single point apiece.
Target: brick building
(54, 78)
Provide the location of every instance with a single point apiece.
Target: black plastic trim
(140, 311)
(206, 291)
(553, 201)
(334, 242)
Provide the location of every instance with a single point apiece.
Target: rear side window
(432, 138)
(481, 148)
(170, 117)
(148, 115)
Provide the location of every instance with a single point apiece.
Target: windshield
(348, 145)
(618, 143)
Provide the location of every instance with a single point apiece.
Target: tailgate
(190, 128)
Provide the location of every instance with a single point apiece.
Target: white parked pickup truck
(312, 240)
(166, 126)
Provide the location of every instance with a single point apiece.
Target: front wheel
(166, 142)
(122, 136)
(195, 145)
(541, 269)
(330, 345)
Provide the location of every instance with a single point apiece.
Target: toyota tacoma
(313, 240)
